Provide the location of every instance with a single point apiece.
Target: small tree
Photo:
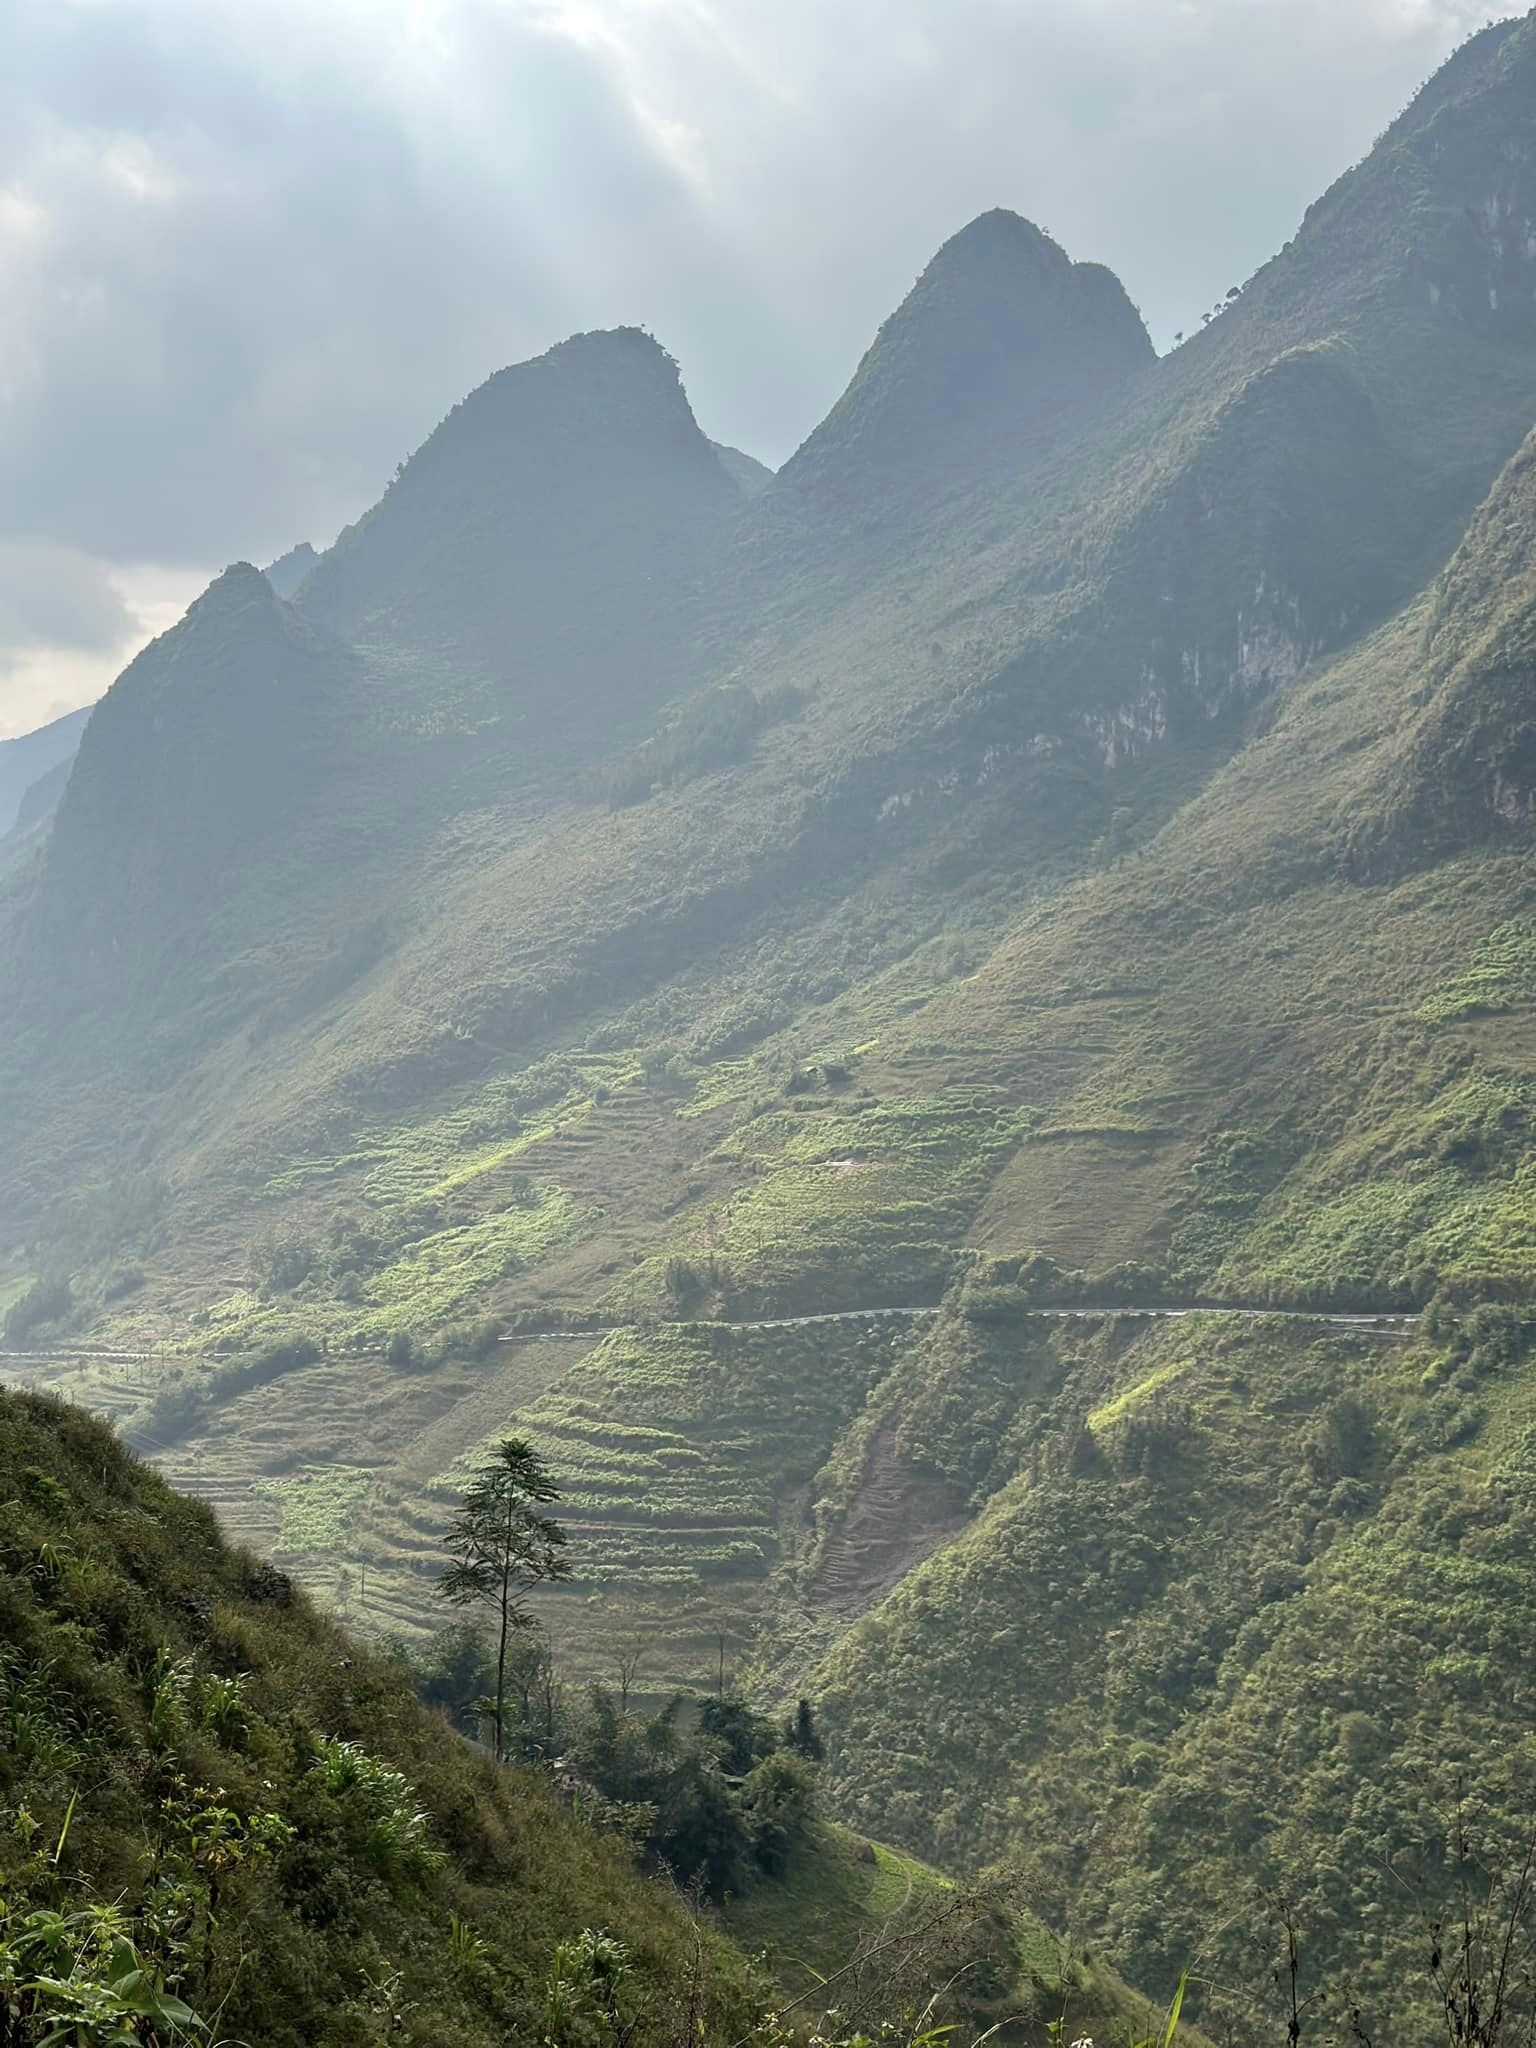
(801, 1733)
(502, 1548)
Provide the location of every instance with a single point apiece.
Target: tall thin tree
(503, 1546)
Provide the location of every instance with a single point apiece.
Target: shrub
(380, 1800)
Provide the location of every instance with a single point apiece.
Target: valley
(949, 1033)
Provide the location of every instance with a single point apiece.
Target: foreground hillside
(198, 1763)
(218, 1809)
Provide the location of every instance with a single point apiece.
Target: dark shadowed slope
(549, 536)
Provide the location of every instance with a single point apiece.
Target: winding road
(1385, 1323)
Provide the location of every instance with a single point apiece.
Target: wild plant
(222, 1711)
(394, 1827)
(167, 1687)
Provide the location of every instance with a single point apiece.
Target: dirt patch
(899, 1517)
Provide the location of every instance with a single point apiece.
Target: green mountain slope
(965, 706)
(201, 1767)
(1064, 839)
(1241, 1607)
(197, 1762)
(1239, 1620)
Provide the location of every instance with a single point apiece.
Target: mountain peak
(232, 590)
(1001, 339)
(289, 570)
(999, 236)
(553, 511)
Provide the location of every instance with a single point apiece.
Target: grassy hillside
(848, 1896)
(215, 1808)
(198, 1764)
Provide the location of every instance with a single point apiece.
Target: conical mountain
(1305, 463)
(1001, 348)
(548, 536)
(194, 770)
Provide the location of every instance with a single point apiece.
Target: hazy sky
(252, 250)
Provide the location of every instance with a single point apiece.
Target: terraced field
(687, 1456)
(685, 1453)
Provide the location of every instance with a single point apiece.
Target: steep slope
(548, 538)
(44, 797)
(1467, 771)
(1237, 1629)
(749, 475)
(194, 770)
(1128, 869)
(200, 1767)
(1239, 1615)
(1275, 1054)
(198, 1764)
(289, 570)
(966, 705)
(37, 807)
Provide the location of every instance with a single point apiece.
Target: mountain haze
(1042, 881)
(548, 535)
(25, 761)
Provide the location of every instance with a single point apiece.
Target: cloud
(254, 253)
(70, 623)
(56, 597)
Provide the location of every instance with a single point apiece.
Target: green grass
(847, 1893)
(1500, 976)
(1108, 1413)
(316, 1508)
(845, 1890)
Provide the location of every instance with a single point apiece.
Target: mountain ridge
(988, 868)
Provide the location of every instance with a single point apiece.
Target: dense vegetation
(1268, 1592)
(209, 1795)
(1063, 842)
(219, 1812)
